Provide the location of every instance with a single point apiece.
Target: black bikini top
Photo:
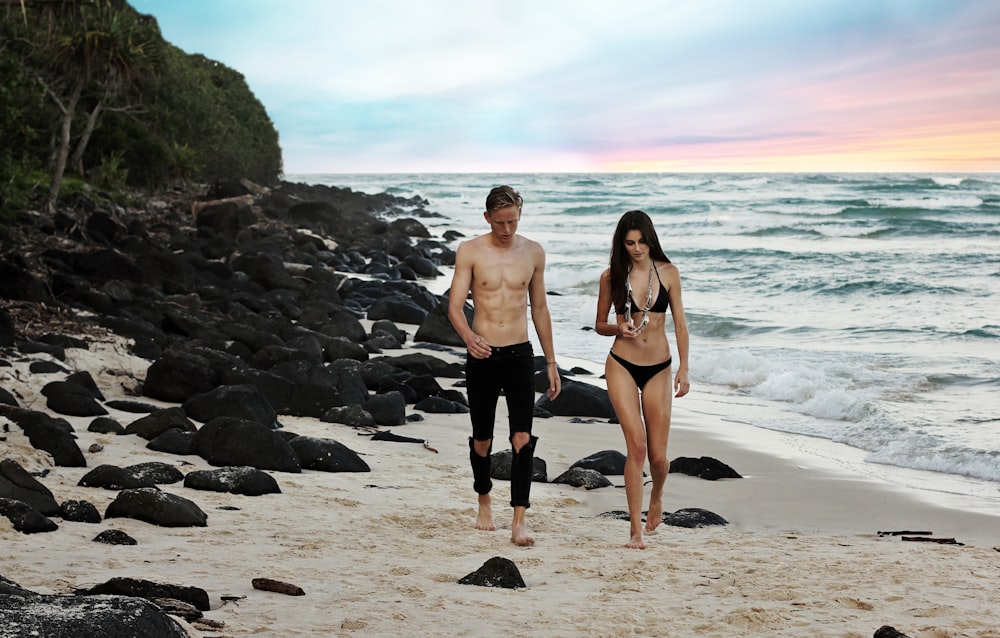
(662, 302)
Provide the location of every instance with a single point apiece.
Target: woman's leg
(624, 397)
(657, 401)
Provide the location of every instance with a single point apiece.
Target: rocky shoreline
(164, 346)
(249, 304)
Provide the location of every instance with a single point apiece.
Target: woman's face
(635, 245)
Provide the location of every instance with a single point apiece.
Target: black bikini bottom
(641, 374)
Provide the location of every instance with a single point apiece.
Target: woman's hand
(681, 384)
(627, 330)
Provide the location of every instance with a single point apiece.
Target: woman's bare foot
(636, 542)
(654, 516)
(484, 520)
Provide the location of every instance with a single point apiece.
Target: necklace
(649, 298)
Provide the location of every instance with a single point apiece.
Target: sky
(460, 86)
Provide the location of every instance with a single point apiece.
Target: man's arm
(461, 283)
(543, 322)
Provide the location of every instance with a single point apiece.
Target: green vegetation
(91, 90)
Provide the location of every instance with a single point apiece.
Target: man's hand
(478, 347)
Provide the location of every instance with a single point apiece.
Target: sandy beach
(380, 553)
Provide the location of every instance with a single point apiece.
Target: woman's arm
(681, 382)
(601, 324)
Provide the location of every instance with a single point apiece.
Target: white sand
(380, 553)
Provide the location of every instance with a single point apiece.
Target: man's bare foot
(519, 528)
(654, 516)
(484, 520)
(636, 541)
(519, 536)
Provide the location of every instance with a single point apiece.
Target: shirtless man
(504, 271)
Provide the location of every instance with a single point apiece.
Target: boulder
(17, 484)
(580, 477)
(225, 441)
(607, 462)
(496, 572)
(54, 436)
(150, 590)
(149, 474)
(327, 455)
(578, 399)
(705, 467)
(387, 409)
(25, 518)
(79, 512)
(244, 401)
(85, 617)
(150, 505)
(437, 328)
(500, 467)
(248, 481)
(71, 399)
(153, 425)
(179, 375)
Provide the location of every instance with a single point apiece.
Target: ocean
(858, 310)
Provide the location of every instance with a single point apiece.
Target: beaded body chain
(649, 298)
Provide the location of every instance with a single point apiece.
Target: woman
(638, 368)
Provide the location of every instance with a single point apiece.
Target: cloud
(422, 85)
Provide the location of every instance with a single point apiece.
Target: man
(504, 271)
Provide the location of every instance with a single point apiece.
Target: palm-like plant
(100, 46)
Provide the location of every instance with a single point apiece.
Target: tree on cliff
(87, 46)
(92, 83)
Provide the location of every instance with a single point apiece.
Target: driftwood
(185, 610)
(197, 207)
(266, 584)
(906, 532)
(383, 435)
(927, 539)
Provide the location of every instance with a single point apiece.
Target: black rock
(79, 512)
(17, 484)
(71, 399)
(153, 425)
(580, 477)
(25, 518)
(248, 481)
(387, 409)
(150, 505)
(327, 455)
(607, 462)
(54, 436)
(245, 402)
(136, 587)
(693, 517)
(224, 442)
(105, 425)
(500, 467)
(85, 617)
(114, 537)
(149, 474)
(705, 467)
(578, 399)
(496, 572)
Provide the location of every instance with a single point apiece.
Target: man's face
(503, 222)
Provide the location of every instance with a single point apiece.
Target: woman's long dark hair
(620, 259)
